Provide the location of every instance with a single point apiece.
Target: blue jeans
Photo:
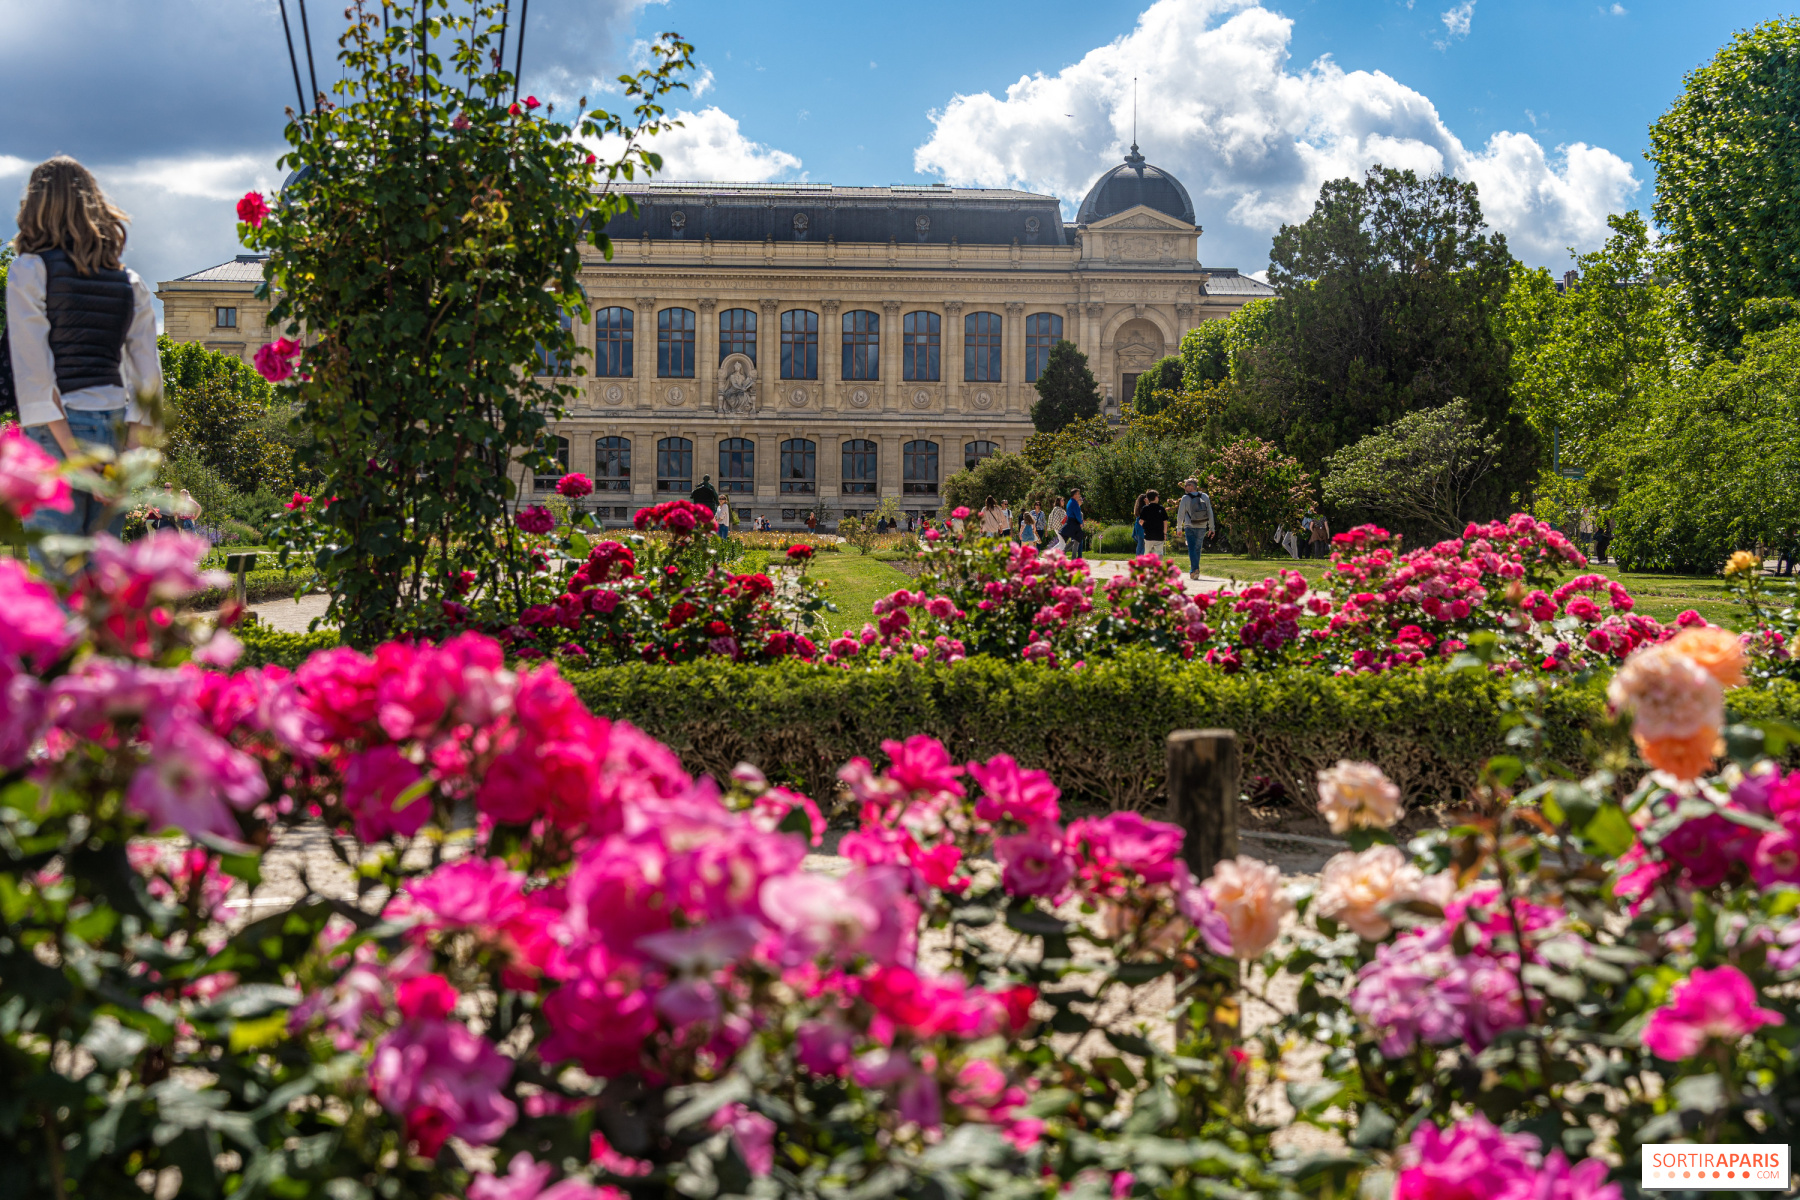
(1196, 542)
(88, 516)
(1137, 535)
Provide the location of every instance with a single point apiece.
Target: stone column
(953, 356)
(706, 356)
(1090, 334)
(768, 354)
(890, 355)
(643, 353)
(831, 353)
(1072, 323)
(1184, 321)
(1012, 357)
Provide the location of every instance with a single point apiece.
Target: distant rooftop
(245, 268)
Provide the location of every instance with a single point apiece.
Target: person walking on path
(993, 523)
(705, 494)
(1074, 529)
(1028, 534)
(83, 332)
(1603, 537)
(1194, 518)
(1137, 522)
(1153, 520)
(722, 515)
(1321, 536)
(812, 520)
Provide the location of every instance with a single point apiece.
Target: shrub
(1066, 390)
(1008, 478)
(1117, 473)
(265, 647)
(1255, 490)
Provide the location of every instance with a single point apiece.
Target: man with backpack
(1194, 518)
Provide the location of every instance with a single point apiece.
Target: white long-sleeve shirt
(34, 366)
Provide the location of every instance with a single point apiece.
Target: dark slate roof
(1132, 183)
(815, 212)
(245, 268)
(1225, 281)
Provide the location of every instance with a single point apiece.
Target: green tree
(1389, 301)
(1157, 386)
(1005, 477)
(1255, 489)
(1710, 463)
(1116, 474)
(1066, 390)
(1580, 357)
(217, 412)
(1043, 449)
(1213, 351)
(1417, 474)
(1727, 157)
(1186, 414)
(430, 246)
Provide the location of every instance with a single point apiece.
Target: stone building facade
(821, 348)
(218, 308)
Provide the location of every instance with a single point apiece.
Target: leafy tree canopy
(1417, 474)
(1005, 477)
(1066, 390)
(1727, 157)
(1255, 489)
(1389, 299)
(1213, 351)
(220, 414)
(1116, 474)
(1042, 449)
(1187, 414)
(1157, 386)
(1710, 463)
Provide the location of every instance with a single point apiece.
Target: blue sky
(1252, 104)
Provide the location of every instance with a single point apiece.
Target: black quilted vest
(89, 318)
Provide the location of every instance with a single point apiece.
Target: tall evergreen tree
(1066, 389)
(1157, 386)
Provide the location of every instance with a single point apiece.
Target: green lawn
(853, 583)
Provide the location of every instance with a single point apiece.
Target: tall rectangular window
(737, 333)
(612, 464)
(225, 318)
(799, 344)
(543, 479)
(981, 347)
(919, 468)
(674, 465)
(675, 343)
(612, 342)
(920, 346)
(799, 467)
(1042, 331)
(862, 345)
(737, 465)
(974, 452)
(859, 467)
(551, 359)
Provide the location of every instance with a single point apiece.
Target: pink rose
(252, 209)
(475, 892)
(1720, 1003)
(275, 361)
(373, 781)
(35, 630)
(1668, 693)
(193, 779)
(753, 1133)
(1357, 795)
(28, 476)
(574, 486)
(1355, 887)
(1033, 864)
(535, 518)
(1249, 895)
(1010, 793)
(444, 1082)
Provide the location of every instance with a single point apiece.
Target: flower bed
(567, 959)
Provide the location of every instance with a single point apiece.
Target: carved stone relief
(737, 384)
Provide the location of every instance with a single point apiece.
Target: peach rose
(1668, 694)
(1683, 757)
(1718, 652)
(1249, 895)
(1354, 888)
(1356, 795)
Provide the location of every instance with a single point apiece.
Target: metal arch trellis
(424, 6)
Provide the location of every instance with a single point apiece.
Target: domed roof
(1132, 183)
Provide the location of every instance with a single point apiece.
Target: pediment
(1142, 216)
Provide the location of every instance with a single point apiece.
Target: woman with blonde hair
(82, 328)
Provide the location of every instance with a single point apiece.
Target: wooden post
(1203, 783)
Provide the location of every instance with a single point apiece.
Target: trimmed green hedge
(258, 587)
(263, 646)
(1099, 731)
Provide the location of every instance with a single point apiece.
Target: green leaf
(1374, 1128)
(1305, 1097)
(1610, 832)
(262, 1031)
(1033, 922)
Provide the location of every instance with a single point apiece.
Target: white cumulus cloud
(1456, 22)
(1252, 138)
(710, 145)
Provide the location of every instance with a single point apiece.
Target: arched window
(919, 468)
(920, 338)
(675, 343)
(737, 333)
(799, 467)
(612, 342)
(974, 452)
(981, 347)
(558, 449)
(675, 465)
(1042, 331)
(859, 467)
(799, 344)
(737, 465)
(862, 344)
(551, 359)
(612, 463)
